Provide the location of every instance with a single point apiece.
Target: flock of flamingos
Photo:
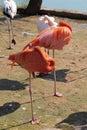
(33, 58)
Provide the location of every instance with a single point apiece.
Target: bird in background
(9, 8)
(33, 60)
(45, 22)
(53, 38)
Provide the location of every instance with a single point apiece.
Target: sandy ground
(66, 113)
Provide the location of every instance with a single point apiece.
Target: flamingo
(45, 22)
(9, 8)
(53, 38)
(33, 60)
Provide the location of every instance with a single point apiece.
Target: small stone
(24, 108)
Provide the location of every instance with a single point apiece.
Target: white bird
(45, 22)
(10, 9)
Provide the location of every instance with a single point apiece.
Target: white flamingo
(10, 9)
(45, 22)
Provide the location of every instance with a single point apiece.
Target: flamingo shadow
(77, 120)
(8, 108)
(60, 75)
(6, 84)
(14, 126)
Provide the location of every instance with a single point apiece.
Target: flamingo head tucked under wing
(33, 60)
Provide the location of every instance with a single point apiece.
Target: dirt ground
(66, 113)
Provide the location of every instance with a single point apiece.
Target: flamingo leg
(9, 30)
(13, 40)
(34, 121)
(57, 94)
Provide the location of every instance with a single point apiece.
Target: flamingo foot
(35, 121)
(13, 41)
(57, 94)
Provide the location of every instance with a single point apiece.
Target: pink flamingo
(33, 60)
(45, 22)
(53, 38)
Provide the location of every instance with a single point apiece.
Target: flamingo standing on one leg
(10, 9)
(53, 38)
(43, 23)
(33, 60)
